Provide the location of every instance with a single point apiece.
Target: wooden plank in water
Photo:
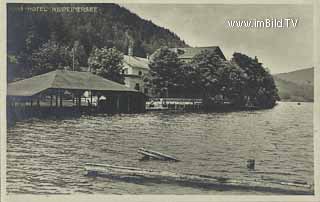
(156, 155)
(121, 172)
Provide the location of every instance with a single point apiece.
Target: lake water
(47, 156)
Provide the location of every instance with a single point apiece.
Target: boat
(133, 174)
(149, 154)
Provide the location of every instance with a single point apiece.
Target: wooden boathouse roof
(63, 79)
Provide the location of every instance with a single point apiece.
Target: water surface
(47, 156)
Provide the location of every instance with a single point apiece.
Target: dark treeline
(242, 82)
(111, 26)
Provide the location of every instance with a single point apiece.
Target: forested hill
(302, 77)
(111, 25)
(296, 86)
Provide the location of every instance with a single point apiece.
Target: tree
(232, 83)
(108, 63)
(13, 70)
(208, 68)
(260, 89)
(80, 56)
(50, 56)
(216, 79)
(166, 71)
(28, 31)
(32, 42)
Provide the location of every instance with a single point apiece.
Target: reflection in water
(47, 156)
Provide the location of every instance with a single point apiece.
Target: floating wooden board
(156, 155)
(121, 172)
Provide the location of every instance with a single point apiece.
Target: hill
(296, 86)
(303, 77)
(111, 25)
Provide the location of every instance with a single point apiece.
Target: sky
(279, 49)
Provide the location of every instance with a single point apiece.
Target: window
(125, 71)
(140, 73)
(146, 90)
(137, 87)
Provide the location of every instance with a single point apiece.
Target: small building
(62, 91)
(136, 71)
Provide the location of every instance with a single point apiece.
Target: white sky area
(279, 49)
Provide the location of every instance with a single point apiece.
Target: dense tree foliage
(260, 89)
(80, 57)
(166, 71)
(50, 56)
(217, 80)
(110, 26)
(243, 81)
(108, 63)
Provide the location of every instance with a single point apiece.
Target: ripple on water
(47, 156)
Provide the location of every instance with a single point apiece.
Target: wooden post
(118, 103)
(128, 103)
(31, 102)
(56, 100)
(98, 98)
(251, 164)
(91, 105)
(79, 103)
(51, 100)
(38, 102)
(60, 95)
(75, 100)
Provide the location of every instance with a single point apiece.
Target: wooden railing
(176, 100)
(174, 103)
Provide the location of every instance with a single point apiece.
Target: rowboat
(149, 154)
(133, 174)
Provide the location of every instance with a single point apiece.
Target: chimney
(148, 56)
(130, 50)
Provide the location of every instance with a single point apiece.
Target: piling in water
(251, 164)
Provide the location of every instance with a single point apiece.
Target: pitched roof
(136, 62)
(30, 86)
(190, 52)
(62, 79)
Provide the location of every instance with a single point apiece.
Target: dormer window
(125, 71)
(137, 87)
(179, 51)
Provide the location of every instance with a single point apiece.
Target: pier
(155, 104)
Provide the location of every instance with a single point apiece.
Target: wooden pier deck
(174, 104)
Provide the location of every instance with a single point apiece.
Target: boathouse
(62, 91)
